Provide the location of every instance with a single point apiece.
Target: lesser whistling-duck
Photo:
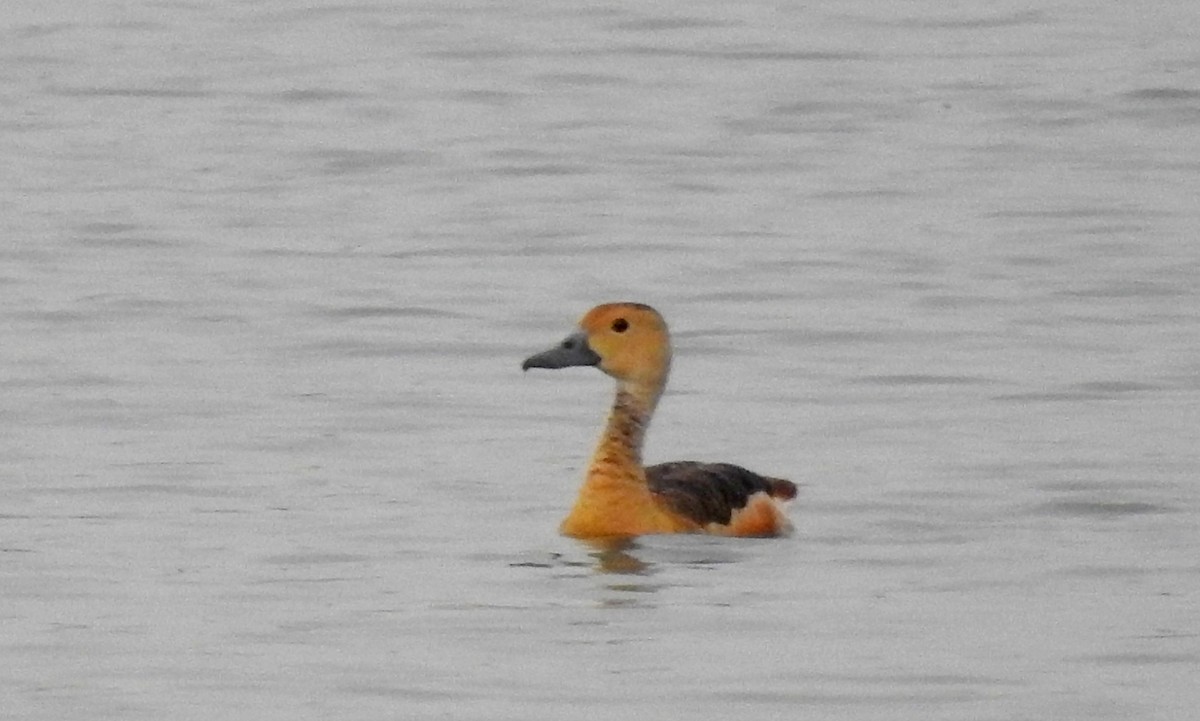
(620, 496)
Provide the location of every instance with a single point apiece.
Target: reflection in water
(624, 565)
(621, 567)
(613, 555)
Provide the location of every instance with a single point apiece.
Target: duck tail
(781, 488)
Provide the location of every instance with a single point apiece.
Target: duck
(622, 498)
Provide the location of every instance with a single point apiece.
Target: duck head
(628, 341)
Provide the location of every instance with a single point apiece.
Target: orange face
(631, 340)
(628, 341)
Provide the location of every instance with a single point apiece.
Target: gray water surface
(269, 270)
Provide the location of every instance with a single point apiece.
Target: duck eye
(620, 325)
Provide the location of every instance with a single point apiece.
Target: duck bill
(574, 351)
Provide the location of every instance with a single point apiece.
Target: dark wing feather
(711, 492)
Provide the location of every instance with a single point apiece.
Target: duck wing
(709, 493)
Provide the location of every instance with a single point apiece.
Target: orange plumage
(620, 496)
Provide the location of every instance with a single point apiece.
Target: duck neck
(619, 453)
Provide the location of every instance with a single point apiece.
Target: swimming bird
(620, 496)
